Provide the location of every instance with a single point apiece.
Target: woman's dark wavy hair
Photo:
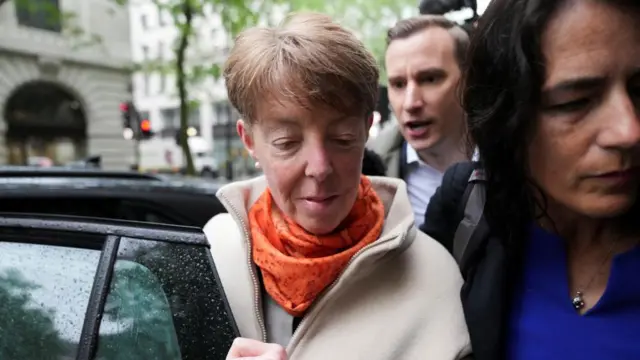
(501, 94)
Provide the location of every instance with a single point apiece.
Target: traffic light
(134, 126)
(145, 129)
(127, 126)
(126, 115)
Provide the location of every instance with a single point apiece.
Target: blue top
(543, 323)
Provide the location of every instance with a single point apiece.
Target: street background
(137, 83)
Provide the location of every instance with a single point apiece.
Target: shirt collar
(476, 155)
(412, 155)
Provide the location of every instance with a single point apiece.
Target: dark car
(112, 195)
(123, 271)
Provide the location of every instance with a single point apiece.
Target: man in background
(424, 61)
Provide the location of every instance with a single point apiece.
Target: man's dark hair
(411, 26)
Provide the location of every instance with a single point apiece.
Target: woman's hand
(248, 349)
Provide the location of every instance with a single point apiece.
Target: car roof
(17, 179)
(60, 171)
(134, 229)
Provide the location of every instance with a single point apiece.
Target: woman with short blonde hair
(313, 256)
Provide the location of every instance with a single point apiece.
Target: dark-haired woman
(552, 270)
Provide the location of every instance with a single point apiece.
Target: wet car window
(44, 294)
(164, 303)
(137, 322)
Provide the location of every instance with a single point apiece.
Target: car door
(79, 288)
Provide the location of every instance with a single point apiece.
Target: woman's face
(312, 160)
(584, 154)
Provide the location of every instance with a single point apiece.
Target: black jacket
(372, 164)
(485, 271)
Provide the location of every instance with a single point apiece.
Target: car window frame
(104, 235)
(165, 203)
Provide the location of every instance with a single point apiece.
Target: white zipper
(256, 286)
(296, 334)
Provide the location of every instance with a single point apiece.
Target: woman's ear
(244, 131)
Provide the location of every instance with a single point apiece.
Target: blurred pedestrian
(424, 60)
(315, 257)
(551, 260)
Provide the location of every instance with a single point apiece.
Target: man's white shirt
(422, 181)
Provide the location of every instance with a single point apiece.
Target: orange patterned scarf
(296, 265)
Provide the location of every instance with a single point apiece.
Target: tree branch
(185, 34)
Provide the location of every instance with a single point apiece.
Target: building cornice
(59, 49)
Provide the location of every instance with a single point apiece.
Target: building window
(144, 22)
(161, 18)
(224, 112)
(170, 119)
(39, 14)
(194, 118)
(161, 74)
(146, 77)
(147, 83)
(145, 53)
(163, 82)
(161, 54)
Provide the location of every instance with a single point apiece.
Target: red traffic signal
(124, 107)
(145, 129)
(145, 125)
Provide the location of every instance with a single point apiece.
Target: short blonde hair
(308, 59)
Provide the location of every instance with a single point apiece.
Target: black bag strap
(402, 171)
(473, 201)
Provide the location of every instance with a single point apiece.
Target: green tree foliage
(26, 332)
(235, 15)
(368, 18)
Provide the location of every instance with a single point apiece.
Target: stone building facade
(64, 71)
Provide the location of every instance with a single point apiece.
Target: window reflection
(137, 322)
(44, 293)
(164, 304)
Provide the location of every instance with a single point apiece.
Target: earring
(257, 165)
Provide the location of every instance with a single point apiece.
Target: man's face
(423, 79)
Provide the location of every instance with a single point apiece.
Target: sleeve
(441, 218)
